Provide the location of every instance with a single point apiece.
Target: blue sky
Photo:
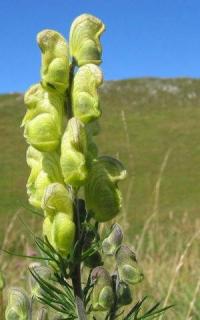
(143, 38)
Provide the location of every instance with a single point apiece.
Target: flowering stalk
(59, 126)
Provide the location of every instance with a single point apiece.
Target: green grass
(147, 123)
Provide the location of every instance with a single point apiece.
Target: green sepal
(113, 241)
(73, 153)
(84, 40)
(45, 169)
(85, 99)
(57, 199)
(55, 60)
(43, 121)
(102, 294)
(128, 268)
(102, 196)
(63, 233)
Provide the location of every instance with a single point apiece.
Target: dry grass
(168, 252)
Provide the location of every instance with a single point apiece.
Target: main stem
(76, 274)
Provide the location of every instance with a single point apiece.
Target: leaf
(55, 295)
(25, 256)
(135, 309)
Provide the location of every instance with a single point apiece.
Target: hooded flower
(102, 195)
(84, 40)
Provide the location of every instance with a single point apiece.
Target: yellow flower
(102, 195)
(85, 99)
(55, 60)
(43, 121)
(84, 41)
(73, 153)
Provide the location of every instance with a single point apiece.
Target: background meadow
(152, 125)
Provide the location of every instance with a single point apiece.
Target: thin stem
(76, 273)
(69, 95)
(114, 306)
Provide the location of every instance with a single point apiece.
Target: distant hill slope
(147, 123)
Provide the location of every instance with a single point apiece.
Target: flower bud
(85, 99)
(44, 272)
(18, 307)
(44, 118)
(34, 161)
(124, 296)
(73, 153)
(45, 169)
(43, 132)
(55, 60)
(113, 241)
(38, 101)
(128, 269)
(84, 41)
(102, 294)
(102, 196)
(31, 99)
(36, 194)
(51, 165)
(63, 233)
(42, 314)
(57, 199)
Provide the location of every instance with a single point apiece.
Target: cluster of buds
(62, 154)
(110, 289)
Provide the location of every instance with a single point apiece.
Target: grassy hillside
(152, 125)
(142, 121)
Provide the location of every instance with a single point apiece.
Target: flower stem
(76, 274)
